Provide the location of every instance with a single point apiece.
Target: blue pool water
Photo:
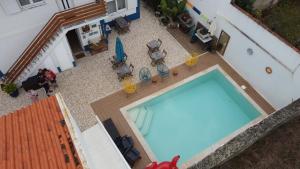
(190, 118)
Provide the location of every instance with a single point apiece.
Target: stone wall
(249, 136)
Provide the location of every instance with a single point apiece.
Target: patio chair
(157, 57)
(115, 63)
(129, 87)
(164, 52)
(160, 42)
(125, 144)
(112, 130)
(192, 60)
(132, 156)
(126, 147)
(163, 70)
(145, 74)
(154, 45)
(125, 73)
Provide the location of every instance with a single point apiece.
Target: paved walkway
(94, 78)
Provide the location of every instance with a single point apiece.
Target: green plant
(258, 13)
(153, 4)
(172, 8)
(164, 7)
(10, 88)
(245, 4)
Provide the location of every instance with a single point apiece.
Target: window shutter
(10, 6)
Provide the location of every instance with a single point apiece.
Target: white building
(22, 20)
(252, 49)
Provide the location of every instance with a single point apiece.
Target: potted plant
(175, 72)
(11, 89)
(172, 8)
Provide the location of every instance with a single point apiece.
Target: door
(223, 42)
(75, 44)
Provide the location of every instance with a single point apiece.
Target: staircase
(50, 33)
(142, 117)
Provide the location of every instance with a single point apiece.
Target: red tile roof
(36, 137)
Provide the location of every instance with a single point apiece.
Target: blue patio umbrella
(119, 50)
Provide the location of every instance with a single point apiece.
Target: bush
(10, 88)
(172, 8)
(245, 4)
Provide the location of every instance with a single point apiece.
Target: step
(133, 114)
(141, 117)
(147, 123)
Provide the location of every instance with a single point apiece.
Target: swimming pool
(192, 116)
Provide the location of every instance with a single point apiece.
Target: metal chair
(125, 73)
(164, 52)
(163, 70)
(145, 74)
(160, 42)
(116, 63)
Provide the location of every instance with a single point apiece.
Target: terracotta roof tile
(36, 137)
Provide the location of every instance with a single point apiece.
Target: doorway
(75, 45)
(223, 42)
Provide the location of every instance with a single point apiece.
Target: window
(121, 4)
(223, 42)
(30, 3)
(111, 7)
(115, 5)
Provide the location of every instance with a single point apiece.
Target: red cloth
(50, 75)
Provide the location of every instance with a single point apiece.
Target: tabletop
(153, 44)
(121, 22)
(123, 69)
(156, 55)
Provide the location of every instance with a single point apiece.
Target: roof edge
(74, 131)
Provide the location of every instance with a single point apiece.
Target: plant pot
(175, 72)
(15, 93)
(165, 20)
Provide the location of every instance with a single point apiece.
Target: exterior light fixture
(269, 70)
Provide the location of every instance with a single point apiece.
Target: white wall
(63, 55)
(60, 56)
(275, 87)
(279, 88)
(94, 146)
(18, 30)
(82, 2)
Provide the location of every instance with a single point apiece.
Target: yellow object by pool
(129, 87)
(192, 60)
